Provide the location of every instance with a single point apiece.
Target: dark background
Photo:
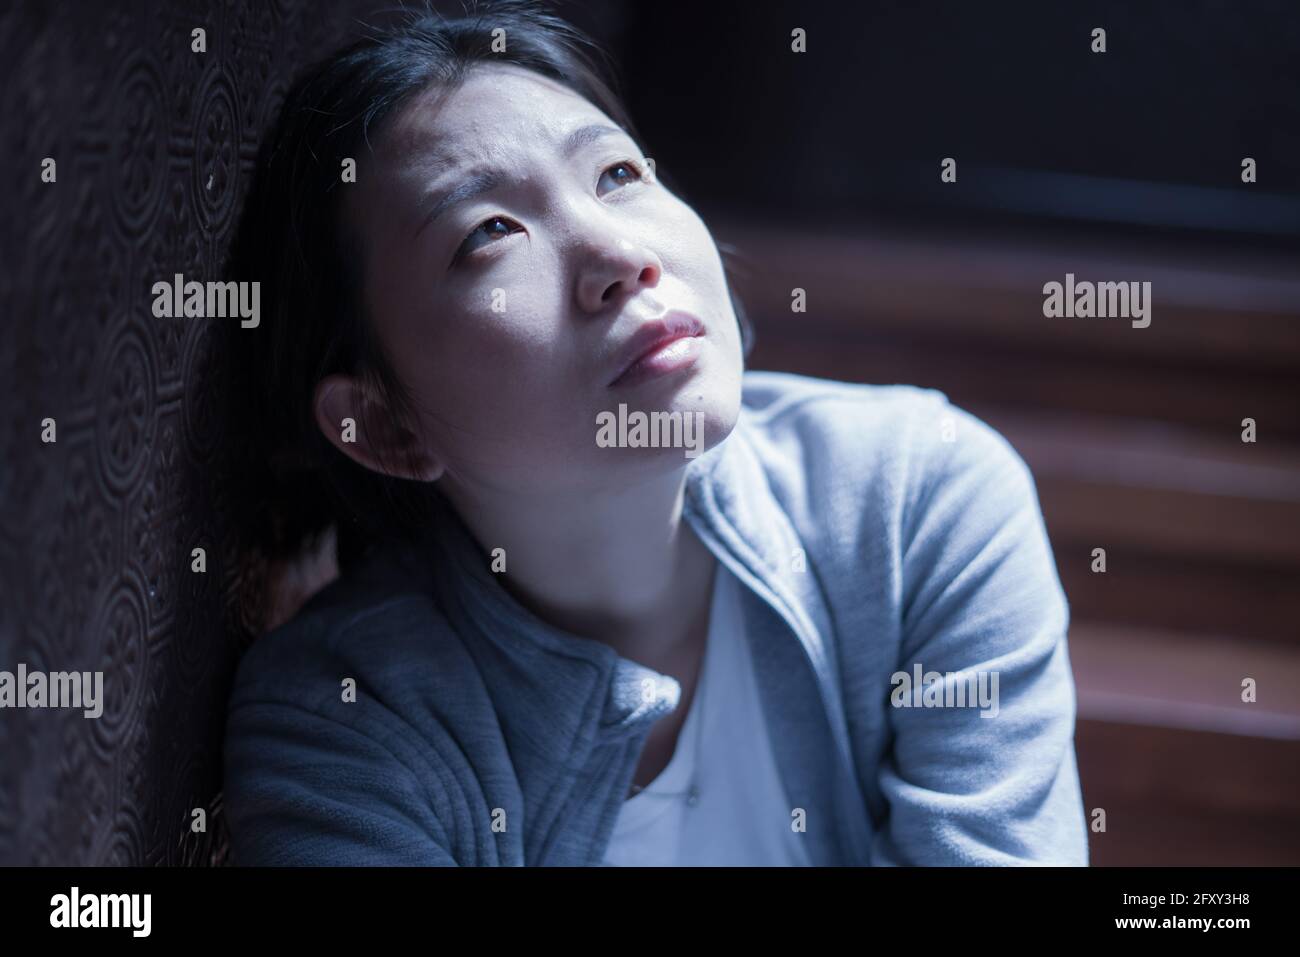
(817, 171)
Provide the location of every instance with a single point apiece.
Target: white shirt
(742, 817)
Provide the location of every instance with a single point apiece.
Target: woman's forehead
(502, 118)
(497, 105)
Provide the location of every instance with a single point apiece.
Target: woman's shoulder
(372, 625)
(900, 441)
(337, 748)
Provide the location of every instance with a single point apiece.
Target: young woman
(605, 597)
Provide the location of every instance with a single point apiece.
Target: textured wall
(154, 144)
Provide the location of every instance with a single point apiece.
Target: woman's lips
(669, 357)
(660, 347)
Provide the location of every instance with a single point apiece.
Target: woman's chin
(668, 430)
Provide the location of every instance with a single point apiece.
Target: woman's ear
(352, 417)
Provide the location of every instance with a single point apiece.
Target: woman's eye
(498, 227)
(631, 172)
(495, 227)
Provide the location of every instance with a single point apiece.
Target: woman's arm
(999, 784)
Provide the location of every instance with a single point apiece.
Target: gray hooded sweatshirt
(908, 631)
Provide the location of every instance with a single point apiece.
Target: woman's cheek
(693, 250)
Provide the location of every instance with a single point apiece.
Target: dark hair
(292, 483)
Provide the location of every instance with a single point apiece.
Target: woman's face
(509, 311)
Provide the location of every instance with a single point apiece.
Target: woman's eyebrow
(586, 135)
(483, 180)
(477, 182)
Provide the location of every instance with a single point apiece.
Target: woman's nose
(613, 269)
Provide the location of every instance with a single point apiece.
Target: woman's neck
(623, 568)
